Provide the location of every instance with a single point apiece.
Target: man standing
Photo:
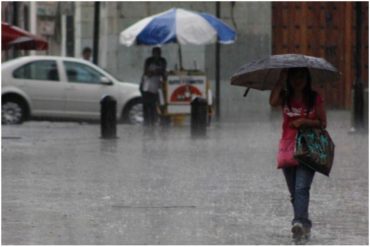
(86, 54)
(153, 77)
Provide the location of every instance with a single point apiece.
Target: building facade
(263, 28)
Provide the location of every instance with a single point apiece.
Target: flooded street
(62, 184)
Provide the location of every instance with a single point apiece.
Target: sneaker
(306, 233)
(298, 231)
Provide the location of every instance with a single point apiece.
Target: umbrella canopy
(262, 74)
(12, 36)
(178, 26)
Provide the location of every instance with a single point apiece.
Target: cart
(197, 28)
(177, 93)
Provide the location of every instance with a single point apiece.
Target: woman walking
(302, 108)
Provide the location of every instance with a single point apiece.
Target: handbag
(285, 155)
(315, 149)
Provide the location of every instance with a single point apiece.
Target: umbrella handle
(246, 92)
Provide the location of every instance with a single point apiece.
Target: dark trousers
(299, 180)
(150, 101)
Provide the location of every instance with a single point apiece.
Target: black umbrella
(262, 74)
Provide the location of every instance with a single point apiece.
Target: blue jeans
(299, 180)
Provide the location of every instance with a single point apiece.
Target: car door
(84, 90)
(40, 80)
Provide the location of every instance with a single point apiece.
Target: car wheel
(134, 113)
(13, 112)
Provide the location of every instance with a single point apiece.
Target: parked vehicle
(63, 88)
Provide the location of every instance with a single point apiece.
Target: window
(40, 70)
(81, 73)
(25, 18)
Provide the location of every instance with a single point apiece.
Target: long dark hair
(309, 95)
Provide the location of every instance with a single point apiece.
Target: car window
(39, 70)
(81, 73)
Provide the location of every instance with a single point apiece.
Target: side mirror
(105, 81)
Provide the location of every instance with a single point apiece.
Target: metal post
(96, 32)
(108, 118)
(217, 69)
(180, 57)
(199, 111)
(358, 107)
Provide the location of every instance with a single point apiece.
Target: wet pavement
(62, 184)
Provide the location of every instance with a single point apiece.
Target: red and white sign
(182, 89)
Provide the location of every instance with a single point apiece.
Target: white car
(63, 88)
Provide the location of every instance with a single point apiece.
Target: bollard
(199, 114)
(108, 118)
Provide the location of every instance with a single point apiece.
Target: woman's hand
(304, 122)
(298, 123)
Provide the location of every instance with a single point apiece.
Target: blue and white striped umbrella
(178, 26)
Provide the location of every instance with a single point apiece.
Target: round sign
(185, 93)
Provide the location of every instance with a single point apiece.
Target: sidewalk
(62, 184)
